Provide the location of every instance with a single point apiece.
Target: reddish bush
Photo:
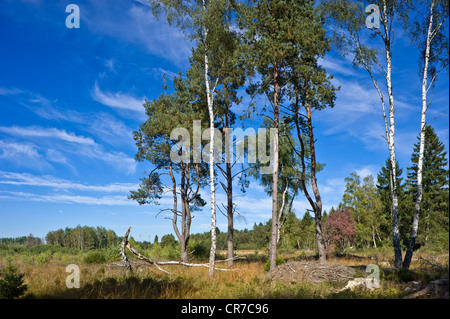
(340, 229)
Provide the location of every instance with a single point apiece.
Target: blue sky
(71, 98)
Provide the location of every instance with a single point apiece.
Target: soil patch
(299, 271)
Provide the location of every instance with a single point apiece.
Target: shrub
(112, 253)
(340, 228)
(198, 250)
(155, 251)
(170, 252)
(279, 261)
(12, 284)
(43, 258)
(95, 257)
(406, 275)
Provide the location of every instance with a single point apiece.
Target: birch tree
(156, 143)
(427, 24)
(348, 20)
(207, 23)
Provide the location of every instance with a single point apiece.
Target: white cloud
(134, 23)
(11, 91)
(26, 179)
(334, 66)
(119, 200)
(70, 143)
(119, 100)
(367, 170)
(110, 130)
(39, 132)
(22, 154)
(109, 64)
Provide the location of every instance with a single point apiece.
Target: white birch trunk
(391, 144)
(280, 213)
(415, 226)
(209, 98)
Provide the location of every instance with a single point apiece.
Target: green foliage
(155, 251)
(168, 240)
(279, 261)
(199, 250)
(12, 283)
(434, 217)
(112, 253)
(43, 258)
(405, 209)
(365, 202)
(171, 251)
(406, 275)
(95, 257)
(82, 237)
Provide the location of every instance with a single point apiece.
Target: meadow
(44, 272)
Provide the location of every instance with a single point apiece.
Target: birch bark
(415, 226)
(209, 98)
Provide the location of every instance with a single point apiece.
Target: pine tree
(156, 144)
(384, 192)
(434, 214)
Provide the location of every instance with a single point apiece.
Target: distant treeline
(83, 237)
(29, 240)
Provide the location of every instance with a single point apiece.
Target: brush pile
(300, 271)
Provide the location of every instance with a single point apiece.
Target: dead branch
(126, 243)
(142, 257)
(122, 250)
(431, 263)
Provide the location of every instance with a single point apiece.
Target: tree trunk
(314, 205)
(183, 237)
(229, 191)
(373, 237)
(230, 213)
(390, 137)
(281, 213)
(273, 237)
(318, 203)
(209, 98)
(415, 226)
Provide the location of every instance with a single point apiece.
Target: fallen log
(126, 243)
(437, 289)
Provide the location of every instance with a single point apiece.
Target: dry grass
(247, 280)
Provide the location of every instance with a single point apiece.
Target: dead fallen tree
(437, 289)
(127, 265)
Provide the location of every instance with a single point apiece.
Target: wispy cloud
(23, 155)
(119, 200)
(48, 181)
(11, 91)
(334, 66)
(39, 132)
(110, 130)
(135, 24)
(42, 106)
(119, 100)
(62, 190)
(357, 104)
(52, 141)
(367, 170)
